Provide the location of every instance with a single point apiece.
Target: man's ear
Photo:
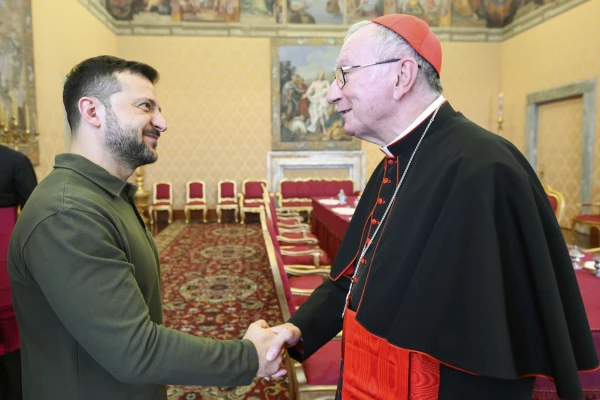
(406, 75)
(90, 108)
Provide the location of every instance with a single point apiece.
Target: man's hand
(290, 335)
(269, 365)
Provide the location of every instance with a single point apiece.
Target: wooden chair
(251, 197)
(195, 199)
(287, 221)
(162, 200)
(226, 199)
(317, 377)
(588, 216)
(557, 201)
(289, 235)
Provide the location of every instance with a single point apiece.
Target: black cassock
(469, 267)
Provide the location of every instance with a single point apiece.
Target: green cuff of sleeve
(251, 356)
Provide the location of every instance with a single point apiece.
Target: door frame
(587, 90)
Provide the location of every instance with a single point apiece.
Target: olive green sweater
(85, 279)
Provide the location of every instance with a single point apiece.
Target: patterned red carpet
(216, 282)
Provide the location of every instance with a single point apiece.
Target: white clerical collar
(437, 103)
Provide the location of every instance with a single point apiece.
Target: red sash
(375, 369)
(9, 330)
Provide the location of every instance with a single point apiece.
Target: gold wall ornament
(17, 97)
(141, 196)
(16, 135)
(500, 113)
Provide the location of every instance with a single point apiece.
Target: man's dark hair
(97, 77)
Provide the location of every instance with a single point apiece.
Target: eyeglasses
(340, 76)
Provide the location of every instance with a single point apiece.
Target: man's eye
(145, 105)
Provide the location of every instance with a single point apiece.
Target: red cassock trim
(375, 369)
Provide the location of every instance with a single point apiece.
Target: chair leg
(235, 214)
(151, 215)
(218, 215)
(242, 217)
(170, 215)
(204, 215)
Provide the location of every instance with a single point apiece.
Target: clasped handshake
(271, 343)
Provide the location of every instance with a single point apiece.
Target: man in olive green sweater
(84, 268)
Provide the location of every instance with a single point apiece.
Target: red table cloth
(589, 285)
(329, 226)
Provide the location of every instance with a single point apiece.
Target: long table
(330, 228)
(328, 225)
(589, 285)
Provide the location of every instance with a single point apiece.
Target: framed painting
(302, 70)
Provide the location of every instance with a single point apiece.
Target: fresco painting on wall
(261, 12)
(323, 12)
(17, 81)
(174, 10)
(125, 10)
(359, 10)
(437, 13)
(302, 118)
(206, 10)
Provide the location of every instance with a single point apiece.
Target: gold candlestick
(15, 109)
(141, 197)
(6, 124)
(26, 118)
(500, 112)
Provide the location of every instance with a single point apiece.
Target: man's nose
(334, 94)
(159, 123)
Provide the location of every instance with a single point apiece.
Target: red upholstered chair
(318, 376)
(226, 199)
(300, 255)
(162, 200)
(306, 278)
(286, 222)
(195, 199)
(296, 235)
(591, 218)
(296, 194)
(557, 201)
(251, 197)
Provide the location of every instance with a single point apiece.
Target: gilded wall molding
(218, 29)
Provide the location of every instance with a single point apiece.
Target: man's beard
(123, 143)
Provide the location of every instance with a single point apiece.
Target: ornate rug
(216, 282)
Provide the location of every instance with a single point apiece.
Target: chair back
(227, 190)
(195, 191)
(253, 188)
(557, 201)
(270, 209)
(320, 373)
(282, 284)
(163, 192)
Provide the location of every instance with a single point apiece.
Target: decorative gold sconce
(17, 135)
(500, 112)
(142, 196)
